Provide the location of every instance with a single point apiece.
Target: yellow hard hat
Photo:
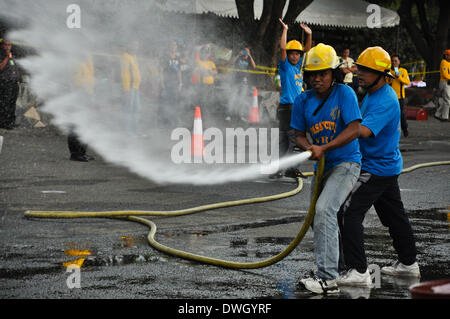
(294, 45)
(321, 57)
(377, 59)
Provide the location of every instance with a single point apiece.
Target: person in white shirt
(348, 67)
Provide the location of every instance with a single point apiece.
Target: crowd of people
(179, 77)
(171, 81)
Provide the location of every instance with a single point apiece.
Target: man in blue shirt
(330, 114)
(291, 78)
(377, 185)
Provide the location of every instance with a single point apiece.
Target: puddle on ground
(121, 260)
(88, 257)
(429, 224)
(437, 214)
(264, 246)
(130, 252)
(274, 240)
(406, 150)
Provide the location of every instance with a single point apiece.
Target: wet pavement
(117, 262)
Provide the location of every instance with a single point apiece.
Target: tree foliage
(430, 34)
(264, 34)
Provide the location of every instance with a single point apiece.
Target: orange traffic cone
(197, 147)
(194, 77)
(254, 117)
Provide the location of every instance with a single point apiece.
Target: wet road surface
(117, 262)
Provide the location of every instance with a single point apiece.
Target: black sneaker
(79, 158)
(405, 133)
(277, 175)
(9, 126)
(293, 173)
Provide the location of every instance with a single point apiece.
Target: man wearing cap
(444, 88)
(289, 69)
(378, 182)
(330, 114)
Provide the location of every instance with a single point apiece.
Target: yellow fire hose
(133, 216)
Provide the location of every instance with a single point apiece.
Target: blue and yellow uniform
(291, 79)
(339, 110)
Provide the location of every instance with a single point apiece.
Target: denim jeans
(337, 185)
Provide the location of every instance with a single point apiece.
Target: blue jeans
(337, 185)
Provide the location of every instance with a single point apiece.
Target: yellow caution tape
(413, 62)
(246, 71)
(269, 70)
(265, 68)
(413, 73)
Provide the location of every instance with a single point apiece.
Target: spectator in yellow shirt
(84, 77)
(131, 81)
(208, 71)
(84, 80)
(444, 88)
(207, 67)
(398, 84)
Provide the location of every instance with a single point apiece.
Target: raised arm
(252, 62)
(283, 41)
(308, 32)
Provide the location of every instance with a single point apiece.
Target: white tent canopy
(343, 13)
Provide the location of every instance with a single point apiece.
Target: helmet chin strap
(325, 99)
(366, 89)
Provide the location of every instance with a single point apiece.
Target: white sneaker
(399, 269)
(354, 278)
(320, 286)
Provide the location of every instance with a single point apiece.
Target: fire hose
(135, 216)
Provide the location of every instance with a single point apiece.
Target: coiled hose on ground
(134, 216)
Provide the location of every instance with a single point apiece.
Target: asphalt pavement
(117, 261)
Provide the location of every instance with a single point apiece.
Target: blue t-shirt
(381, 114)
(291, 80)
(339, 110)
